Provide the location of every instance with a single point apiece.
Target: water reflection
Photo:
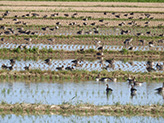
(82, 92)
(80, 119)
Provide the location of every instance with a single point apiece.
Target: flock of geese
(133, 82)
(99, 55)
(100, 46)
(76, 63)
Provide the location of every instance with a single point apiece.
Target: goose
(137, 83)
(48, 61)
(113, 79)
(4, 66)
(100, 54)
(28, 67)
(108, 89)
(159, 66)
(131, 48)
(60, 68)
(77, 61)
(104, 79)
(128, 41)
(11, 67)
(105, 13)
(69, 68)
(12, 61)
(142, 41)
(160, 89)
(111, 61)
(150, 63)
(130, 80)
(150, 69)
(151, 44)
(101, 48)
(98, 77)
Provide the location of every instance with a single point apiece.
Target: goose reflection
(133, 91)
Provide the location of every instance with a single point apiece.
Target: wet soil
(67, 109)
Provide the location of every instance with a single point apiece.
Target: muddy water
(80, 119)
(91, 92)
(133, 66)
(68, 47)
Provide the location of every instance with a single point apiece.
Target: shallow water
(71, 47)
(133, 66)
(91, 92)
(80, 119)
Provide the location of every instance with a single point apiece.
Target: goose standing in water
(108, 89)
(48, 61)
(28, 67)
(60, 68)
(4, 66)
(11, 67)
(150, 69)
(69, 68)
(12, 61)
(159, 66)
(77, 62)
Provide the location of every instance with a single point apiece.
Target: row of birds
(74, 15)
(133, 82)
(12, 62)
(34, 14)
(76, 63)
(150, 64)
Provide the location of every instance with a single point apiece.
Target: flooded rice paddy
(80, 119)
(71, 31)
(91, 92)
(72, 47)
(97, 65)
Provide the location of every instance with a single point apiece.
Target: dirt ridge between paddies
(82, 109)
(82, 75)
(90, 53)
(81, 3)
(114, 9)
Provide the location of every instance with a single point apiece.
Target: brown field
(82, 3)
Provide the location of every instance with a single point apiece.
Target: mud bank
(82, 109)
(81, 75)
